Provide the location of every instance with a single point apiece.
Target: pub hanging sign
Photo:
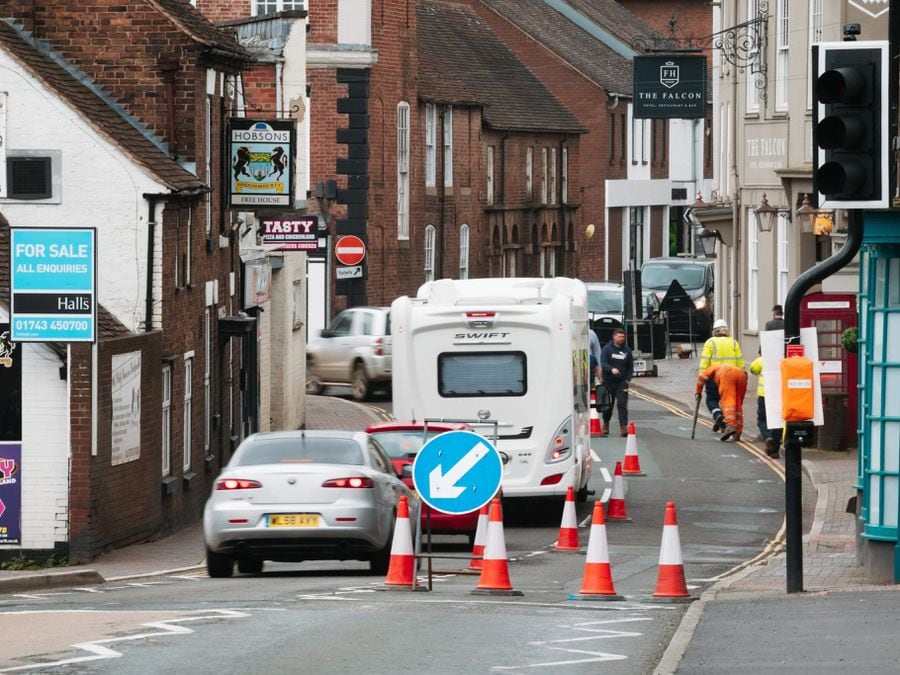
(261, 170)
(669, 87)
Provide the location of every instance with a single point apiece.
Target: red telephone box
(831, 315)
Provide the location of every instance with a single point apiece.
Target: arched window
(463, 251)
(429, 253)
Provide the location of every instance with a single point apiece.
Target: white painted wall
(100, 187)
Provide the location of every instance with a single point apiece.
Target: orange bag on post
(797, 392)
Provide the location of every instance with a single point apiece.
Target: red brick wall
(692, 17)
(323, 21)
(589, 104)
(225, 10)
(81, 496)
(120, 45)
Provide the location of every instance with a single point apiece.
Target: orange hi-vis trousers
(732, 384)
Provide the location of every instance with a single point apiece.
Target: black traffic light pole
(793, 502)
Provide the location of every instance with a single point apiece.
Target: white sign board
(772, 343)
(125, 434)
(354, 272)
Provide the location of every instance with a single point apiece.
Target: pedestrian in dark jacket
(617, 366)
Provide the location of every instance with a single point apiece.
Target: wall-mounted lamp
(806, 215)
(708, 239)
(766, 214)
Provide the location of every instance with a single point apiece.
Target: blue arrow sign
(457, 472)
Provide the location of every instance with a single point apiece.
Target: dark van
(696, 276)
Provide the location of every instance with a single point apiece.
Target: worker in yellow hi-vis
(720, 348)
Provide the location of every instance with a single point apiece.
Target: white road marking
(87, 589)
(596, 458)
(586, 626)
(99, 651)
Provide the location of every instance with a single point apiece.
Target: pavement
(829, 548)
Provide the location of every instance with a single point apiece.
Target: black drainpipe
(503, 198)
(439, 244)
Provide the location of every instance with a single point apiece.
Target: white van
(516, 348)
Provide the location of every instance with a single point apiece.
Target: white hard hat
(720, 323)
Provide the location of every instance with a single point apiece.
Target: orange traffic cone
(480, 537)
(596, 427)
(670, 584)
(495, 570)
(615, 507)
(568, 530)
(597, 583)
(632, 465)
(400, 571)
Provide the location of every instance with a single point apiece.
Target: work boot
(771, 448)
(623, 430)
(719, 424)
(604, 431)
(728, 433)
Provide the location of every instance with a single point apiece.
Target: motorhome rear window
(469, 374)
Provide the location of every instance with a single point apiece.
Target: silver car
(354, 350)
(303, 495)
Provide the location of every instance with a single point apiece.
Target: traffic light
(850, 125)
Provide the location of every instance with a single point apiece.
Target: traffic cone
(596, 427)
(670, 584)
(568, 530)
(480, 536)
(597, 583)
(615, 507)
(495, 570)
(401, 568)
(632, 465)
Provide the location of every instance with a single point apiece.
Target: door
(336, 347)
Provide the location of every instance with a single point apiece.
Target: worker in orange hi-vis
(732, 384)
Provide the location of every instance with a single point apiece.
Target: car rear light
(237, 484)
(552, 480)
(378, 347)
(352, 482)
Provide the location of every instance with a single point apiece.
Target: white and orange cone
(480, 538)
(670, 583)
(597, 583)
(495, 569)
(596, 427)
(568, 529)
(615, 507)
(401, 568)
(632, 466)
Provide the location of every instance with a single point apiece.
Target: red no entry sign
(350, 250)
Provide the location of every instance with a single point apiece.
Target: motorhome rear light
(480, 315)
(237, 484)
(351, 482)
(552, 480)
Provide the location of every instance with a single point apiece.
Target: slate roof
(95, 111)
(199, 28)
(588, 54)
(461, 60)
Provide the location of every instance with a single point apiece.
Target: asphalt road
(331, 618)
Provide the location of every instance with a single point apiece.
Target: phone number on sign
(24, 325)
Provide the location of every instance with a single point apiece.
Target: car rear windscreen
(482, 374)
(660, 275)
(402, 444)
(307, 450)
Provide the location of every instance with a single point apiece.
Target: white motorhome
(513, 349)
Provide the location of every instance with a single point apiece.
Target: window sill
(188, 479)
(168, 486)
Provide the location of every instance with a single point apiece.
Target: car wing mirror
(406, 471)
(326, 333)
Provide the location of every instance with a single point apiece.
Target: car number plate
(640, 366)
(293, 520)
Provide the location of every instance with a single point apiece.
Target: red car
(402, 441)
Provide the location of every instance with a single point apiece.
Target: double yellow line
(776, 544)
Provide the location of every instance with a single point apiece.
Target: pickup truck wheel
(313, 383)
(360, 383)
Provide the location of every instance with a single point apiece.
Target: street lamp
(806, 215)
(708, 239)
(765, 215)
